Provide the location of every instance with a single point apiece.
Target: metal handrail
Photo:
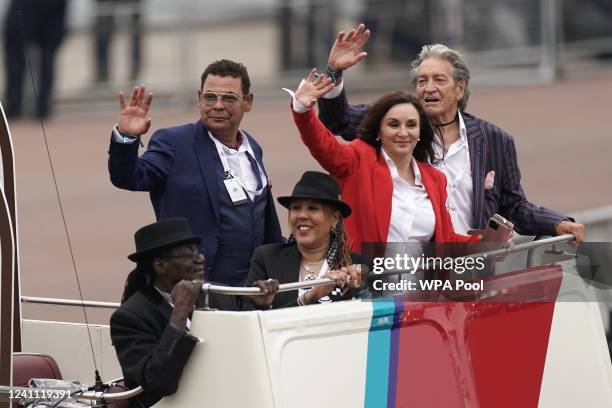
(227, 290)
(532, 251)
(69, 302)
(98, 395)
(206, 288)
(250, 291)
(209, 288)
(523, 247)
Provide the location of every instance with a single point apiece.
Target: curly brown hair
(370, 125)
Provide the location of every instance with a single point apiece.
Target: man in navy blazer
(478, 158)
(210, 172)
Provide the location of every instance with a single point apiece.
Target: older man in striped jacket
(478, 158)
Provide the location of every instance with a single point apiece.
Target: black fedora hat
(317, 186)
(162, 235)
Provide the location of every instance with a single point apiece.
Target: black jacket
(151, 352)
(282, 262)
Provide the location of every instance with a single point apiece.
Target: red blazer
(366, 184)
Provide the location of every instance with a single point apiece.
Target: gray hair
(461, 72)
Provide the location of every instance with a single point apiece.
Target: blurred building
(505, 40)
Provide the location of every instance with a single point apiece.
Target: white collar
(165, 295)
(462, 131)
(394, 173)
(245, 146)
(462, 128)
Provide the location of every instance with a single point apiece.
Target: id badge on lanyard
(234, 189)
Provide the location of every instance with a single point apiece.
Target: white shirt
(237, 162)
(412, 216)
(335, 92)
(456, 167)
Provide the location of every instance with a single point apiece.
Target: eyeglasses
(195, 257)
(228, 99)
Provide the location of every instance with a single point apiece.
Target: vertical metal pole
(7, 251)
(10, 334)
(185, 49)
(10, 192)
(550, 64)
(453, 18)
(320, 31)
(285, 23)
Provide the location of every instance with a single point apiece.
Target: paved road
(561, 131)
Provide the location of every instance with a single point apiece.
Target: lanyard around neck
(227, 169)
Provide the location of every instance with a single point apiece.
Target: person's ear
(336, 218)
(158, 267)
(248, 102)
(460, 89)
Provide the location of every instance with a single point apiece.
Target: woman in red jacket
(384, 176)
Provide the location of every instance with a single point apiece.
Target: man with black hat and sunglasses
(150, 330)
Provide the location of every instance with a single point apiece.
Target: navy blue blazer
(491, 149)
(178, 171)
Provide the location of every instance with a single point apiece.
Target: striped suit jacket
(491, 149)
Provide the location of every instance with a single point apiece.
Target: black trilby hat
(317, 186)
(162, 235)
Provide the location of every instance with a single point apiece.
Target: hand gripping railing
(552, 251)
(528, 246)
(208, 288)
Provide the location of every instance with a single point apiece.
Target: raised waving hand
(312, 88)
(133, 119)
(347, 49)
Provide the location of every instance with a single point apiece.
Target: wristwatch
(334, 75)
(124, 138)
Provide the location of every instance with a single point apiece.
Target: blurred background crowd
(100, 46)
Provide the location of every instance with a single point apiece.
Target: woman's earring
(378, 139)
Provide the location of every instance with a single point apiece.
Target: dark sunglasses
(195, 256)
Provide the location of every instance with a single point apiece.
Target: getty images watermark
(403, 272)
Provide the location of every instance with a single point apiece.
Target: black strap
(255, 170)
